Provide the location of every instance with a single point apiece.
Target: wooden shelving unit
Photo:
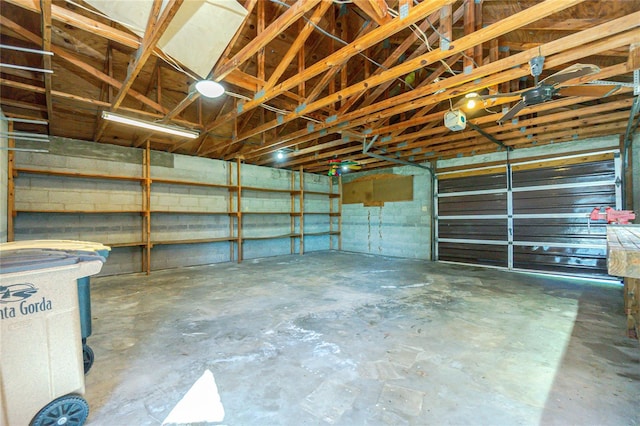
(235, 193)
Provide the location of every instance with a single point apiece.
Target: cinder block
(125, 200)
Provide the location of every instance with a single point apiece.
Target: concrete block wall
(264, 225)
(170, 227)
(320, 203)
(105, 228)
(254, 249)
(178, 255)
(41, 192)
(179, 211)
(399, 229)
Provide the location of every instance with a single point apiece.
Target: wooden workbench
(623, 260)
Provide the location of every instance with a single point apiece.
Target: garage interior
(337, 236)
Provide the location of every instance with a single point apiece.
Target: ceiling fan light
(209, 88)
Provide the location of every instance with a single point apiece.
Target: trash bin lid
(31, 259)
(57, 244)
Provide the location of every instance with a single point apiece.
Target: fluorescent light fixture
(210, 88)
(149, 125)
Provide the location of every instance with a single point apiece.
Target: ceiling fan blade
(574, 71)
(512, 112)
(514, 96)
(595, 90)
(502, 95)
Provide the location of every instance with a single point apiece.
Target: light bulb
(471, 104)
(209, 88)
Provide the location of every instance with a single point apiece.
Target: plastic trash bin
(41, 362)
(84, 289)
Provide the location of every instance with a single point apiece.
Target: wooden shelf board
(82, 211)
(274, 213)
(257, 189)
(319, 193)
(77, 174)
(194, 241)
(190, 183)
(192, 212)
(138, 244)
(315, 234)
(272, 237)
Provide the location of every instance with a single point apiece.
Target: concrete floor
(350, 339)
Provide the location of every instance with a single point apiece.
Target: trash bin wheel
(87, 357)
(68, 410)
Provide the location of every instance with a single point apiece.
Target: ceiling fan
(338, 167)
(550, 87)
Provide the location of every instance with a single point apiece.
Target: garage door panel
(539, 222)
(575, 173)
(568, 260)
(481, 204)
(477, 229)
(481, 254)
(559, 230)
(472, 183)
(557, 200)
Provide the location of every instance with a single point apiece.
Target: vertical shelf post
(231, 210)
(147, 208)
(11, 201)
(292, 216)
(239, 209)
(339, 212)
(301, 205)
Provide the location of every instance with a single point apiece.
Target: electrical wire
(416, 30)
(449, 41)
(338, 39)
(174, 64)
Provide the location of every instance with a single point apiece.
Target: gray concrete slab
(351, 339)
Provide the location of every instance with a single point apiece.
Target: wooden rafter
(404, 102)
(79, 63)
(531, 14)
(295, 86)
(340, 57)
(155, 29)
(298, 44)
(375, 9)
(45, 5)
(283, 22)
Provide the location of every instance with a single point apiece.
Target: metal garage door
(529, 215)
